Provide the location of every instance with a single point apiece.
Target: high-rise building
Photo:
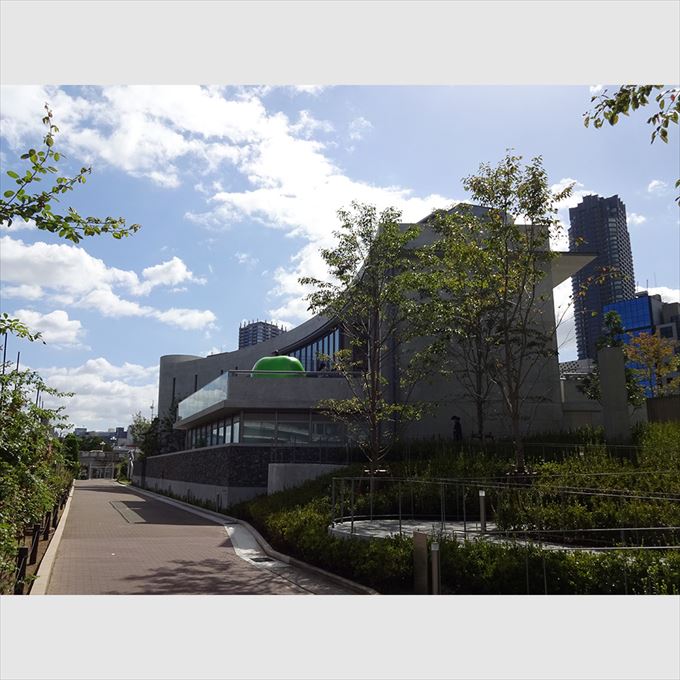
(648, 314)
(599, 225)
(257, 331)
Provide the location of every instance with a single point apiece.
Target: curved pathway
(118, 541)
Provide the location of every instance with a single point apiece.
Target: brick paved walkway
(119, 542)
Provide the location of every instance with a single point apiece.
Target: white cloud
(309, 89)
(71, 276)
(170, 273)
(564, 318)
(56, 327)
(106, 395)
(19, 225)
(246, 259)
(658, 187)
(667, 294)
(307, 125)
(635, 219)
(358, 128)
(25, 291)
(560, 238)
(188, 319)
(595, 89)
(292, 184)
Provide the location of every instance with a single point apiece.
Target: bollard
(351, 528)
(34, 544)
(55, 516)
(22, 558)
(436, 573)
(46, 532)
(482, 511)
(420, 563)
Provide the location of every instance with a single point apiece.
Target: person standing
(457, 429)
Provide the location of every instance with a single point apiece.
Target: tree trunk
(517, 442)
(480, 408)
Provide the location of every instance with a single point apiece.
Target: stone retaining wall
(234, 473)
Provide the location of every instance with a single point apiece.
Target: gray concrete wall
(221, 496)
(542, 408)
(245, 392)
(288, 475)
(615, 416)
(663, 409)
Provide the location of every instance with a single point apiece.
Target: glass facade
(217, 433)
(271, 428)
(213, 393)
(309, 355)
(636, 314)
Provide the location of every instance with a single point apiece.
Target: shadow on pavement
(206, 577)
(148, 511)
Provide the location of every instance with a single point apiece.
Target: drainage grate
(261, 559)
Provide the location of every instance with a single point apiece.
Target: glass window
(236, 430)
(293, 428)
(227, 431)
(259, 428)
(326, 431)
(215, 434)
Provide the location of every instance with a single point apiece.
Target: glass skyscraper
(598, 225)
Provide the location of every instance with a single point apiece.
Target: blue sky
(236, 190)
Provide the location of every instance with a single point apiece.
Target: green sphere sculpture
(292, 367)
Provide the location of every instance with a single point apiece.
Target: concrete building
(246, 433)
(256, 332)
(599, 225)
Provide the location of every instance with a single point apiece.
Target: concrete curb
(42, 576)
(266, 548)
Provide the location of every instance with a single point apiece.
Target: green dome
(281, 363)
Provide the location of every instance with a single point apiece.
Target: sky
(237, 188)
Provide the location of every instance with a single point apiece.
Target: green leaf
(7, 194)
(12, 174)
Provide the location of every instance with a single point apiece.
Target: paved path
(117, 541)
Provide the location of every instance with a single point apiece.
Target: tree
(145, 434)
(653, 360)
(456, 301)
(71, 448)
(372, 270)
(37, 207)
(610, 107)
(33, 470)
(613, 333)
(92, 443)
(504, 263)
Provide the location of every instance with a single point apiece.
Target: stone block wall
(225, 475)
